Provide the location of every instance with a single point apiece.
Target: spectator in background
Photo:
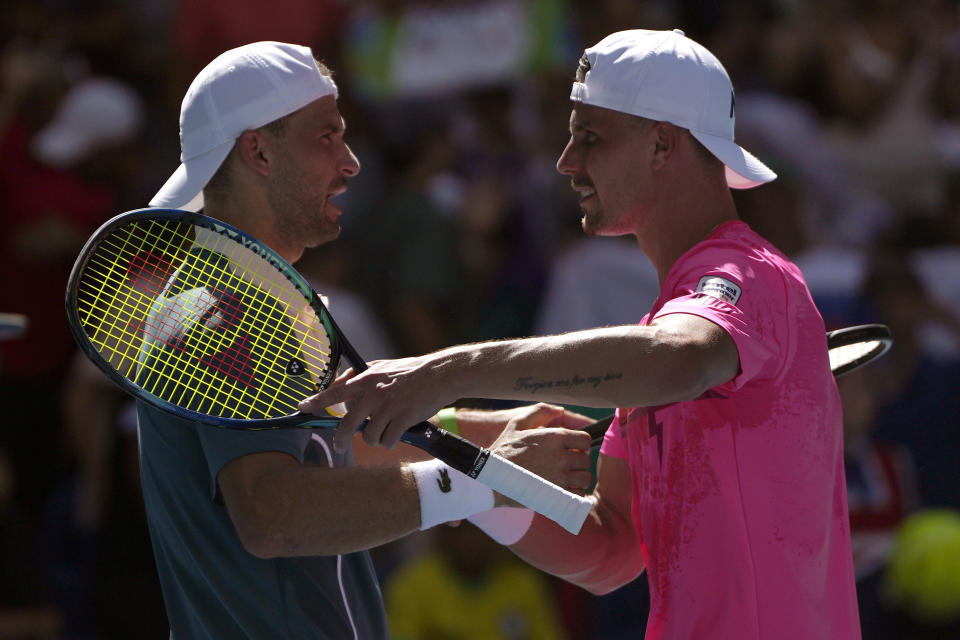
(56, 185)
(62, 173)
(922, 581)
(596, 282)
(879, 74)
(79, 165)
(202, 29)
(26, 607)
(410, 268)
(881, 493)
(477, 592)
(920, 407)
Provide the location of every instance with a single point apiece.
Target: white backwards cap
(666, 76)
(244, 88)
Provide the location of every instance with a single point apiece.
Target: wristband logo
(444, 481)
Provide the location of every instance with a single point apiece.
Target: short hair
(221, 181)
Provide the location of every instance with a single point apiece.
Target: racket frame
(293, 420)
(863, 333)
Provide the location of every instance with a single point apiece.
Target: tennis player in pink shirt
(738, 495)
(722, 474)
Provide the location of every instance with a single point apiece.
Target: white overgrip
(563, 507)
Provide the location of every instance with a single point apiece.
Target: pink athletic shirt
(739, 495)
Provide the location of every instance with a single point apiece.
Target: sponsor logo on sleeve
(720, 288)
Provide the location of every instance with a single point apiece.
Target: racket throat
(462, 455)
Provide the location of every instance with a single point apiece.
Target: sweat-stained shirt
(738, 495)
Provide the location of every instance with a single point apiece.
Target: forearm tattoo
(534, 385)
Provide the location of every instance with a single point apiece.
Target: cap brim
(184, 189)
(744, 171)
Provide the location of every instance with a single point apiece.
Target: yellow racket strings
(236, 357)
(124, 289)
(115, 291)
(189, 363)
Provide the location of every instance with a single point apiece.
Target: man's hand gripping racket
(203, 321)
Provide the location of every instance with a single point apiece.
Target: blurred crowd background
(458, 228)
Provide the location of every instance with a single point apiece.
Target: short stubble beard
(300, 211)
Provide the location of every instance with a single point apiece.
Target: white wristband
(506, 525)
(446, 494)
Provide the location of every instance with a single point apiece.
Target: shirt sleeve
(221, 446)
(740, 296)
(613, 444)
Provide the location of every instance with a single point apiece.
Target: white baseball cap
(95, 114)
(666, 76)
(243, 88)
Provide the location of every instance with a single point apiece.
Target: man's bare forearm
(281, 508)
(606, 553)
(611, 366)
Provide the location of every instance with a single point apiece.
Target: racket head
(201, 320)
(852, 347)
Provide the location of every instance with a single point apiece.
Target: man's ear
(665, 138)
(254, 151)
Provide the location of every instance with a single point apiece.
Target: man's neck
(679, 225)
(254, 221)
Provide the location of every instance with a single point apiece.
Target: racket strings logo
(296, 367)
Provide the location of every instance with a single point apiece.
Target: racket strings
(248, 271)
(254, 268)
(123, 299)
(191, 361)
(111, 307)
(844, 355)
(311, 337)
(303, 339)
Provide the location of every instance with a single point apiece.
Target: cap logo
(583, 66)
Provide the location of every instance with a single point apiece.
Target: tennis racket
(849, 348)
(203, 321)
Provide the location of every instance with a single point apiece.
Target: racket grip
(563, 507)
